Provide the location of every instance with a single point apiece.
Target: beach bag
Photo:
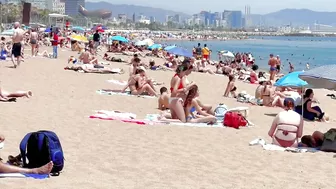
(329, 142)
(234, 120)
(220, 111)
(41, 147)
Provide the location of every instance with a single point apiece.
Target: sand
(111, 154)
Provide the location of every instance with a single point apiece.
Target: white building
(40, 4)
(56, 6)
(144, 21)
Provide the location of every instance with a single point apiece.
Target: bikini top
(180, 85)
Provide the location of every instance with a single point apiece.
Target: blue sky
(257, 6)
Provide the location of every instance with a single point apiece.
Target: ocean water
(299, 51)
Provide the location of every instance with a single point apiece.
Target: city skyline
(257, 6)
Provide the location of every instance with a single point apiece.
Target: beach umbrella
(141, 43)
(79, 38)
(148, 42)
(78, 28)
(169, 47)
(48, 30)
(181, 52)
(227, 54)
(155, 46)
(119, 38)
(291, 80)
(8, 32)
(321, 77)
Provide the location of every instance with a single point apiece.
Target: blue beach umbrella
(119, 38)
(169, 47)
(291, 80)
(321, 77)
(78, 28)
(48, 30)
(181, 52)
(155, 46)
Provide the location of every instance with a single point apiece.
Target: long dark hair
(191, 95)
(308, 93)
(182, 68)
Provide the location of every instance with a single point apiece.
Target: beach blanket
(272, 147)
(116, 115)
(118, 92)
(154, 118)
(21, 175)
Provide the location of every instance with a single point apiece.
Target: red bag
(234, 119)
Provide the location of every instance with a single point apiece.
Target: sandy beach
(112, 154)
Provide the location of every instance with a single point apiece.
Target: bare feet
(45, 169)
(29, 94)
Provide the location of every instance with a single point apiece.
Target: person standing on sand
(278, 64)
(17, 44)
(96, 40)
(273, 66)
(55, 44)
(206, 52)
(33, 42)
(199, 52)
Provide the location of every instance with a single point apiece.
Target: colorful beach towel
(21, 175)
(118, 92)
(272, 147)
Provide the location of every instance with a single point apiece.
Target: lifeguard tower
(58, 20)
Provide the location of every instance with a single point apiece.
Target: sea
(316, 51)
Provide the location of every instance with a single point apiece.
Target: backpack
(41, 147)
(220, 112)
(234, 120)
(329, 142)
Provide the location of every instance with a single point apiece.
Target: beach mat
(21, 175)
(272, 147)
(117, 116)
(123, 83)
(118, 92)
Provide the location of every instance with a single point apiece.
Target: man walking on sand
(17, 44)
(273, 66)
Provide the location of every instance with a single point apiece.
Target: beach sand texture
(111, 154)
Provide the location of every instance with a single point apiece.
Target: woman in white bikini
(287, 126)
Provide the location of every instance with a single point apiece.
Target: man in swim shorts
(273, 66)
(17, 44)
(278, 66)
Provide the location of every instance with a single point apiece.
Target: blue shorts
(273, 69)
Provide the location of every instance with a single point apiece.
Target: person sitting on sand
(178, 88)
(311, 112)
(163, 100)
(135, 63)
(231, 88)
(201, 67)
(253, 75)
(287, 126)
(6, 96)
(191, 104)
(3, 49)
(86, 58)
(139, 84)
(267, 93)
(6, 168)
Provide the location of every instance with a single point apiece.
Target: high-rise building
(236, 19)
(134, 18)
(72, 6)
(40, 4)
(247, 17)
(152, 19)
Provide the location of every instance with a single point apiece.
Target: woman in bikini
(267, 93)
(231, 88)
(191, 103)
(178, 88)
(287, 126)
(138, 84)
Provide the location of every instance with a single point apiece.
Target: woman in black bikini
(231, 88)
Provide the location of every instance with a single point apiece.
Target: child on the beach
(164, 99)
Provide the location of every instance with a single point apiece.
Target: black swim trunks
(33, 41)
(278, 67)
(16, 50)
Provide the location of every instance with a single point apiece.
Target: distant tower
(248, 20)
(133, 18)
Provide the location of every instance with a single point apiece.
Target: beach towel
(118, 92)
(21, 175)
(272, 147)
(116, 115)
(123, 83)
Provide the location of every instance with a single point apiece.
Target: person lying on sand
(5, 168)
(94, 68)
(316, 139)
(201, 67)
(46, 54)
(6, 96)
(112, 58)
(287, 126)
(139, 84)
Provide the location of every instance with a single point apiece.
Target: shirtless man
(278, 66)
(273, 66)
(17, 44)
(33, 42)
(86, 58)
(164, 99)
(5, 168)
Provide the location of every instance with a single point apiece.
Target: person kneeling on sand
(164, 99)
(191, 105)
(8, 96)
(5, 168)
(287, 126)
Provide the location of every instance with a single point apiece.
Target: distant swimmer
(303, 55)
(291, 67)
(292, 54)
(307, 66)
